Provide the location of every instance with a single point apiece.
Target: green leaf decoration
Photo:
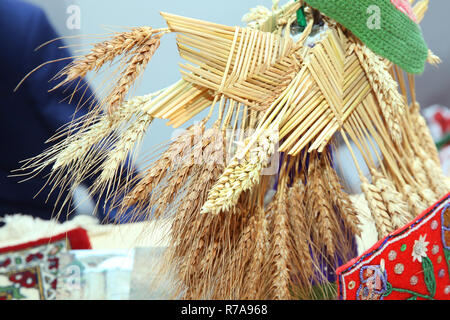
(13, 291)
(447, 258)
(430, 279)
(388, 289)
(413, 298)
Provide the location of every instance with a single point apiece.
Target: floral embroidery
(405, 7)
(417, 262)
(373, 283)
(420, 249)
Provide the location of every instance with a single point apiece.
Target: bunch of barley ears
(193, 233)
(207, 152)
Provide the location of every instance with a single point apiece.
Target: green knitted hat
(397, 37)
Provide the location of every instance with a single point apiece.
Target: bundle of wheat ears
(276, 104)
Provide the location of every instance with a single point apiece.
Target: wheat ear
(423, 133)
(279, 259)
(319, 206)
(415, 202)
(78, 144)
(302, 262)
(105, 52)
(129, 139)
(385, 89)
(241, 175)
(152, 176)
(422, 180)
(254, 275)
(377, 208)
(398, 210)
(136, 65)
(342, 201)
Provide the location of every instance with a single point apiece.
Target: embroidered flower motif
(405, 7)
(420, 249)
(373, 283)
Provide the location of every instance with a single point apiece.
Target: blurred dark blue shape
(31, 115)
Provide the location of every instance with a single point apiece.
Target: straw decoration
(270, 97)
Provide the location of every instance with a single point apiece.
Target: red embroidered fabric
(412, 263)
(30, 270)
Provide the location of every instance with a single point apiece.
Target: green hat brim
(398, 38)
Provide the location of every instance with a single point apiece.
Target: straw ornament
(280, 92)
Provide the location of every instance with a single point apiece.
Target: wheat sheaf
(236, 231)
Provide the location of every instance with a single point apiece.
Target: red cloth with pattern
(412, 263)
(29, 271)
